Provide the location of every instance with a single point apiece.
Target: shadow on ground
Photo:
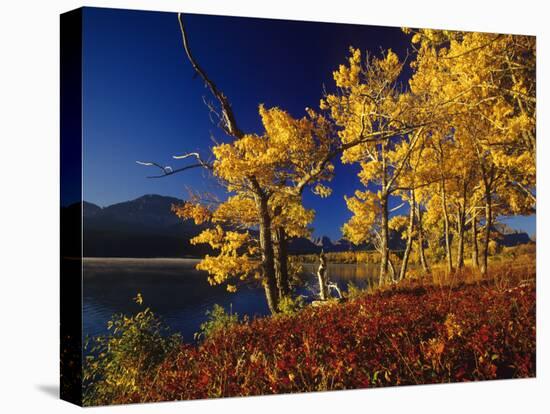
(49, 389)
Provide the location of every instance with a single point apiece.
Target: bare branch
(190, 154)
(397, 207)
(167, 170)
(526, 190)
(229, 124)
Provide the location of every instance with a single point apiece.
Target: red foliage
(390, 338)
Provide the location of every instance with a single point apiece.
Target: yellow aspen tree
(486, 81)
(372, 114)
(264, 176)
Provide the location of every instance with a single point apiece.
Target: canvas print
(257, 206)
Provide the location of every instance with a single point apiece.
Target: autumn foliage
(448, 131)
(455, 144)
(416, 336)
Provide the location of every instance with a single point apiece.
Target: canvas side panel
(71, 206)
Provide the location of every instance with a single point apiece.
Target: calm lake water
(180, 294)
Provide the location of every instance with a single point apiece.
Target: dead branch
(227, 119)
(167, 170)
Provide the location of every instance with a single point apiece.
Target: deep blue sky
(142, 101)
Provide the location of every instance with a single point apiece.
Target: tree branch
(167, 170)
(229, 124)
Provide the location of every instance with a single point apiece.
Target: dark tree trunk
(271, 296)
(460, 236)
(461, 225)
(475, 250)
(447, 230)
(281, 262)
(460, 248)
(268, 255)
(487, 231)
(406, 255)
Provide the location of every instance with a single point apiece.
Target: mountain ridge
(146, 227)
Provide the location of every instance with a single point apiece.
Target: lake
(179, 293)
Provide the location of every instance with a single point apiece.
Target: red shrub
(391, 338)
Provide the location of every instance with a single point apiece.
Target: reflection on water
(180, 294)
(359, 274)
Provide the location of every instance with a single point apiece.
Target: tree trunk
(475, 250)
(391, 269)
(448, 251)
(405, 262)
(281, 262)
(461, 225)
(322, 276)
(487, 230)
(460, 235)
(268, 256)
(421, 252)
(384, 241)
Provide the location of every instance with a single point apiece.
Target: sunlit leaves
(293, 216)
(322, 190)
(238, 210)
(118, 362)
(235, 259)
(366, 210)
(482, 79)
(138, 299)
(194, 211)
(275, 165)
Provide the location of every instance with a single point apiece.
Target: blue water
(177, 292)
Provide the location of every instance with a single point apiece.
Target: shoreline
(138, 259)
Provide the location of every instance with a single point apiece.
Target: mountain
(90, 210)
(148, 211)
(510, 237)
(146, 227)
(301, 245)
(324, 242)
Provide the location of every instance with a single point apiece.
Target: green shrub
(353, 291)
(117, 363)
(217, 321)
(289, 305)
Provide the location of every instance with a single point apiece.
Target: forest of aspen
(454, 146)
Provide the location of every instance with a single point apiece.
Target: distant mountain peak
(324, 242)
(150, 210)
(150, 197)
(90, 209)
